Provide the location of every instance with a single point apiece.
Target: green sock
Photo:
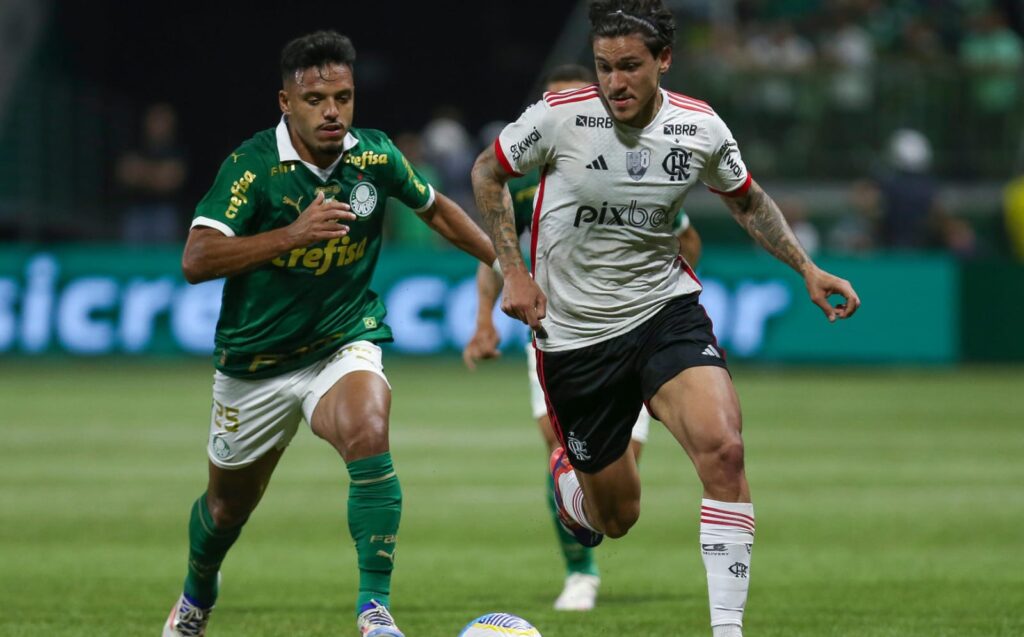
(207, 547)
(374, 510)
(578, 558)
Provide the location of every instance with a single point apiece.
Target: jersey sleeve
(527, 142)
(724, 172)
(410, 187)
(236, 193)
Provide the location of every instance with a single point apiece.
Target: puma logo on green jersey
(296, 204)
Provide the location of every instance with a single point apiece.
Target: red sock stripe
(577, 505)
(704, 519)
(706, 509)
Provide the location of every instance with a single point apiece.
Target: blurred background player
(299, 326)
(582, 578)
(623, 327)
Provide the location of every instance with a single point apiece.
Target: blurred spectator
(855, 231)
(848, 52)
(779, 52)
(401, 225)
(449, 147)
(921, 43)
(1013, 209)
(794, 209)
(847, 48)
(150, 179)
(994, 56)
(911, 214)
(777, 55)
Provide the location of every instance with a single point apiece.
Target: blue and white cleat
(187, 619)
(375, 621)
(559, 467)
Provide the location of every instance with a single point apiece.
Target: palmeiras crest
(637, 163)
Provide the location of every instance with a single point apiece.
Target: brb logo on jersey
(589, 121)
(631, 215)
(519, 148)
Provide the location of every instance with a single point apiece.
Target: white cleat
(187, 619)
(579, 593)
(375, 621)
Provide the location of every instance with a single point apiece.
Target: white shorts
(539, 406)
(251, 417)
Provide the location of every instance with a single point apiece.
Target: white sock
(572, 498)
(726, 538)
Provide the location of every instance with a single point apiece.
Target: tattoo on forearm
(759, 214)
(495, 204)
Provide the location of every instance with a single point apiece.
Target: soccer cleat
(375, 621)
(559, 467)
(187, 619)
(579, 593)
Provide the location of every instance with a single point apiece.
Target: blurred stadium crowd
(882, 125)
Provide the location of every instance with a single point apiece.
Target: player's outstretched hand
(483, 346)
(320, 221)
(524, 300)
(821, 285)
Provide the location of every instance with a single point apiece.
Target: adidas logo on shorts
(711, 351)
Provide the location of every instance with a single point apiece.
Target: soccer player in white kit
(582, 579)
(615, 311)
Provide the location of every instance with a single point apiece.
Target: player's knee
(621, 520)
(363, 437)
(228, 513)
(724, 464)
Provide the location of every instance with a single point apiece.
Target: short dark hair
(570, 73)
(648, 18)
(316, 50)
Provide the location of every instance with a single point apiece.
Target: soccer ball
(499, 625)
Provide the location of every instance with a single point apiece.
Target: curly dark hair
(647, 18)
(316, 50)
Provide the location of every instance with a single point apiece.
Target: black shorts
(594, 394)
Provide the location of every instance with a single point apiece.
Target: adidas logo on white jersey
(711, 351)
(598, 164)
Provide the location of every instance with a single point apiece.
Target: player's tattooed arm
(763, 220)
(755, 211)
(523, 299)
(495, 205)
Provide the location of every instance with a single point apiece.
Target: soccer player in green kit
(293, 221)
(582, 580)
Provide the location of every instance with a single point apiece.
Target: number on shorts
(225, 417)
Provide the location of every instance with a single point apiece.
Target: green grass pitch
(889, 503)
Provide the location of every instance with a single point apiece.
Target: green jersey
(305, 304)
(523, 190)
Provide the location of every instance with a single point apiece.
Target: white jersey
(603, 247)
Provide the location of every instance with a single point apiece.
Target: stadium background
(884, 450)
